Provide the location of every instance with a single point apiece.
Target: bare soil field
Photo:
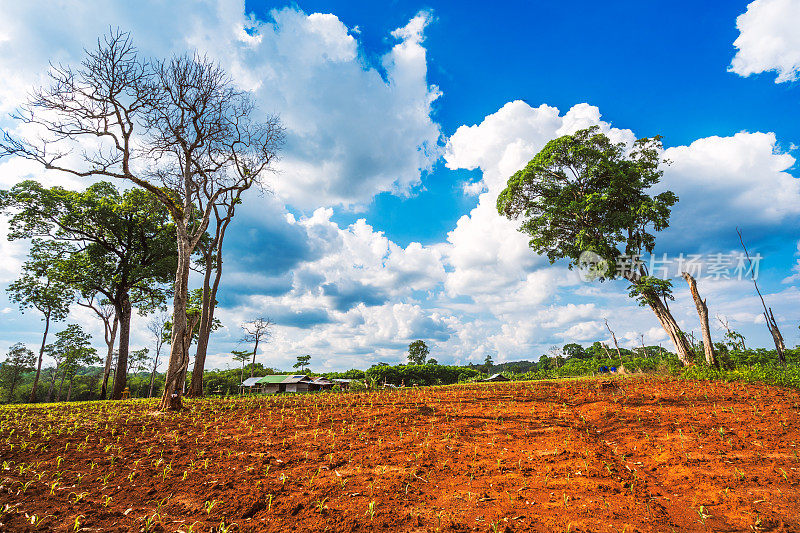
(639, 455)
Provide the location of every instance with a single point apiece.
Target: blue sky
(403, 123)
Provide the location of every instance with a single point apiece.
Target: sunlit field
(629, 454)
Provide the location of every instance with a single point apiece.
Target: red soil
(642, 455)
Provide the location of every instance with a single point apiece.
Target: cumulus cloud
(768, 40)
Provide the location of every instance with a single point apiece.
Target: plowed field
(639, 455)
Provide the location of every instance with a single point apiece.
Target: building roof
(322, 380)
(250, 382)
(297, 378)
(274, 378)
(497, 377)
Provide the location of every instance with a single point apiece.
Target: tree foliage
(418, 352)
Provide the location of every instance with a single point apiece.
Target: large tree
(41, 287)
(120, 246)
(585, 193)
(418, 352)
(178, 128)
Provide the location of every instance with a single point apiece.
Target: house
(344, 384)
(321, 383)
(496, 377)
(249, 385)
(271, 384)
(297, 383)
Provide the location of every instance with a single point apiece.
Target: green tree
(178, 128)
(302, 362)
(243, 356)
(73, 350)
(118, 245)
(418, 352)
(584, 193)
(575, 350)
(40, 287)
(19, 359)
(433, 361)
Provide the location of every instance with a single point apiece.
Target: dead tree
(177, 128)
(772, 324)
(614, 338)
(702, 312)
(156, 326)
(256, 331)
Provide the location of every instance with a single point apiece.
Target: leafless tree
(256, 331)
(157, 327)
(613, 337)
(177, 128)
(772, 324)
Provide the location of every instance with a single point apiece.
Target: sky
(404, 123)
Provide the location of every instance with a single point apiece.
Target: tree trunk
(209, 301)
(69, 390)
(171, 399)
(702, 312)
(61, 385)
(121, 375)
(671, 327)
(153, 373)
(253, 366)
(777, 338)
(14, 377)
(52, 384)
(614, 338)
(32, 398)
(206, 320)
(110, 338)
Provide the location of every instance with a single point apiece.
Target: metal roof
(275, 378)
(249, 382)
(297, 378)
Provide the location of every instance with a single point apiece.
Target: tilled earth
(632, 454)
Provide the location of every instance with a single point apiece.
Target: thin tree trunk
(614, 338)
(61, 385)
(153, 373)
(111, 336)
(52, 384)
(210, 297)
(32, 398)
(206, 319)
(69, 390)
(772, 324)
(253, 366)
(120, 378)
(171, 399)
(15, 375)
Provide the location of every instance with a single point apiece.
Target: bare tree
(772, 324)
(736, 338)
(177, 128)
(256, 331)
(156, 326)
(702, 312)
(614, 338)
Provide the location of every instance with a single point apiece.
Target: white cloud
(353, 129)
(768, 39)
(746, 173)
